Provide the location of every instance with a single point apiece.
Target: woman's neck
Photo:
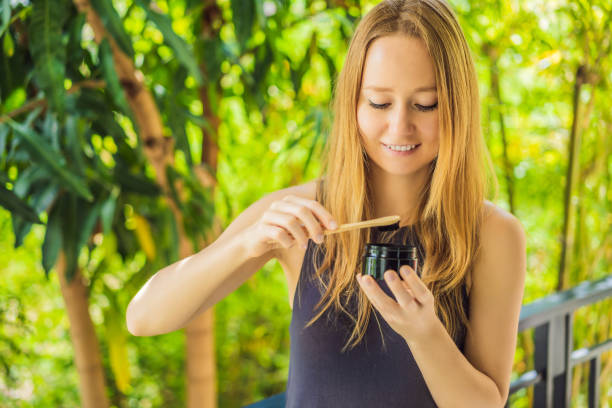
(397, 194)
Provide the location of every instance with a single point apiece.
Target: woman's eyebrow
(385, 89)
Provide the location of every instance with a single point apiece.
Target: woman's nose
(402, 121)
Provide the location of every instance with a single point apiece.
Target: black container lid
(390, 251)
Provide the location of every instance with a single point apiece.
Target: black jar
(378, 258)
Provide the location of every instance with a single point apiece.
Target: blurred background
(133, 131)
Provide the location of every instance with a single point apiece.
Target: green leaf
(263, 61)
(243, 12)
(76, 53)
(182, 50)
(87, 216)
(134, 183)
(213, 56)
(43, 195)
(4, 131)
(315, 142)
(172, 175)
(26, 179)
(297, 75)
(21, 228)
(51, 159)
(176, 118)
(117, 343)
(113, 24)
(331, 66)
(68, 204)
(48, 50)
(111, 77)
(14, 100)
(74, 144)
(5, 16)
(16, 205)
(39, 201)
(53, 239)
(8, 45)
(107, 213)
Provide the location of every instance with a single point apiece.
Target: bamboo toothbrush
(391, 222)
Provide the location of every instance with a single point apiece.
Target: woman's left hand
(413, 315)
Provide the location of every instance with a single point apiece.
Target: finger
(289, 223)
(418, 288)
(306, 217)
(397, 287)
(281, 238)
(320, 212)
(407, 288)
(385, 304)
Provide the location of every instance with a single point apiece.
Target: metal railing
(554, 357)
(553, 319)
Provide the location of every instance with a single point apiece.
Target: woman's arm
(481, 378)
(181, 291)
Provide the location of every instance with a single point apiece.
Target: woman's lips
(400, 153)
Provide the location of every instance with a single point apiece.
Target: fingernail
(391, 276)
(319, 238)
(333, 225)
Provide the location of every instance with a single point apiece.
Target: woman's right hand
(289, 221)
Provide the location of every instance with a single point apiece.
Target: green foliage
(16, 205)
(181, 49)
(112, 21)
(47, 48)
(43, 153)
(110, 76)
(243, 16)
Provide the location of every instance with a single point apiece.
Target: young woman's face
(397, 105)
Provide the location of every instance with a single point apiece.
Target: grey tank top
(369, 375)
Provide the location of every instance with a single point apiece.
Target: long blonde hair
(451, 203)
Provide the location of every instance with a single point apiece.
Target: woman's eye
(427, 108)
(378, 105)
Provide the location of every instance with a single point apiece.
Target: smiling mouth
(401, 148)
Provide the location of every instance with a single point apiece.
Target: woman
(406, 140)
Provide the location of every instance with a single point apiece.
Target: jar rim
(387, 250)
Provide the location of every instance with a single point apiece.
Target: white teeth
(400, 148)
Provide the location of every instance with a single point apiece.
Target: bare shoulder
(499, 226)
(502, 239)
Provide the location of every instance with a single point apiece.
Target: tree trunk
(160, 153)
(570, 180)
(87, 355)
(495, 89)
(201, 361)
(508, 168)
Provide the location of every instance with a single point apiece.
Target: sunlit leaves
(112, 22)
(16, 205)
(110, 75)
(182, 51)
(47, 48)
(243, 13)
(48, 157)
